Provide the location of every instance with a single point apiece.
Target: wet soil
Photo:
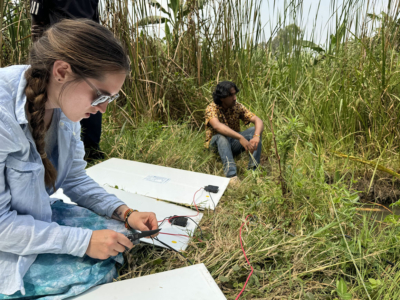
(382, 190)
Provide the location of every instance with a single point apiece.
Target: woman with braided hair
(50, 249)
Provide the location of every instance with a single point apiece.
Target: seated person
(223, 128)
(49, 248)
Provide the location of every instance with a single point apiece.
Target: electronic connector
(211, 188)
(179, 221)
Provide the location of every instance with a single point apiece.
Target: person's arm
(259, 127)
(84, 191)
(106, 243)
(226, 131)
(142, 221)
(39, 20)
(258, 124)
(22, 234)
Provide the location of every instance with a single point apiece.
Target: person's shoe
(234, 182)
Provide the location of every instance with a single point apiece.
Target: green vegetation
(326, 102)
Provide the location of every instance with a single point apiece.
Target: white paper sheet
(174, 185)
(189, 283)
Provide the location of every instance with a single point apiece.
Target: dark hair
(223, 90)
(89, 48)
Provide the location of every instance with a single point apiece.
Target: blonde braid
(36, 96)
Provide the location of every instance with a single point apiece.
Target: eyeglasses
(101, 97)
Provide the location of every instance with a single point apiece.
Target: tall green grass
(339, 96)
(306, 245)
(344, 90)
(15, 31)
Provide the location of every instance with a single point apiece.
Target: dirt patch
(383, 190)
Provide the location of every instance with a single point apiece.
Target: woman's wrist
(118, 213)
(127, 214)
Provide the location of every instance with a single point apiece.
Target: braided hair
(91, 50)
(36, 96)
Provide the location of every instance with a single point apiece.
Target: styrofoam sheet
(189, 283)
(174, 185)
(162, 210)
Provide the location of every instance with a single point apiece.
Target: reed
(341, 96)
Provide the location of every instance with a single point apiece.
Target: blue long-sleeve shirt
(25, 213)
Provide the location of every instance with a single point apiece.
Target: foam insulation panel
(173, 185)
(189, 283)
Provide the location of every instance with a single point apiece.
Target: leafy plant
(176, 11)
(341, 289)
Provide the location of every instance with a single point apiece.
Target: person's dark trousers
(91, 132)
(229, 147)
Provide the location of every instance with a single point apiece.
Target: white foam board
(174, 185)
(162, 210)
(189, 283)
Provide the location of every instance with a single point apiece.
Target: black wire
(212, 201)
(175, 217)
(201, 231)
(162, 222)
(168, 246)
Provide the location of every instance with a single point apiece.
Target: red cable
(174, 234)
(244, 252)
(169, 220)
(197, 209)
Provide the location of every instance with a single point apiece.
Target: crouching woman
(53, 250)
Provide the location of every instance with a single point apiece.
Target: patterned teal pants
(58, 276)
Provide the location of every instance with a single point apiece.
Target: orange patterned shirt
(230, 117)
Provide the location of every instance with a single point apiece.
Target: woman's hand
(143, 221)
(106, 243)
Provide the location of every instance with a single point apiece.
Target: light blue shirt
(25, 213)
